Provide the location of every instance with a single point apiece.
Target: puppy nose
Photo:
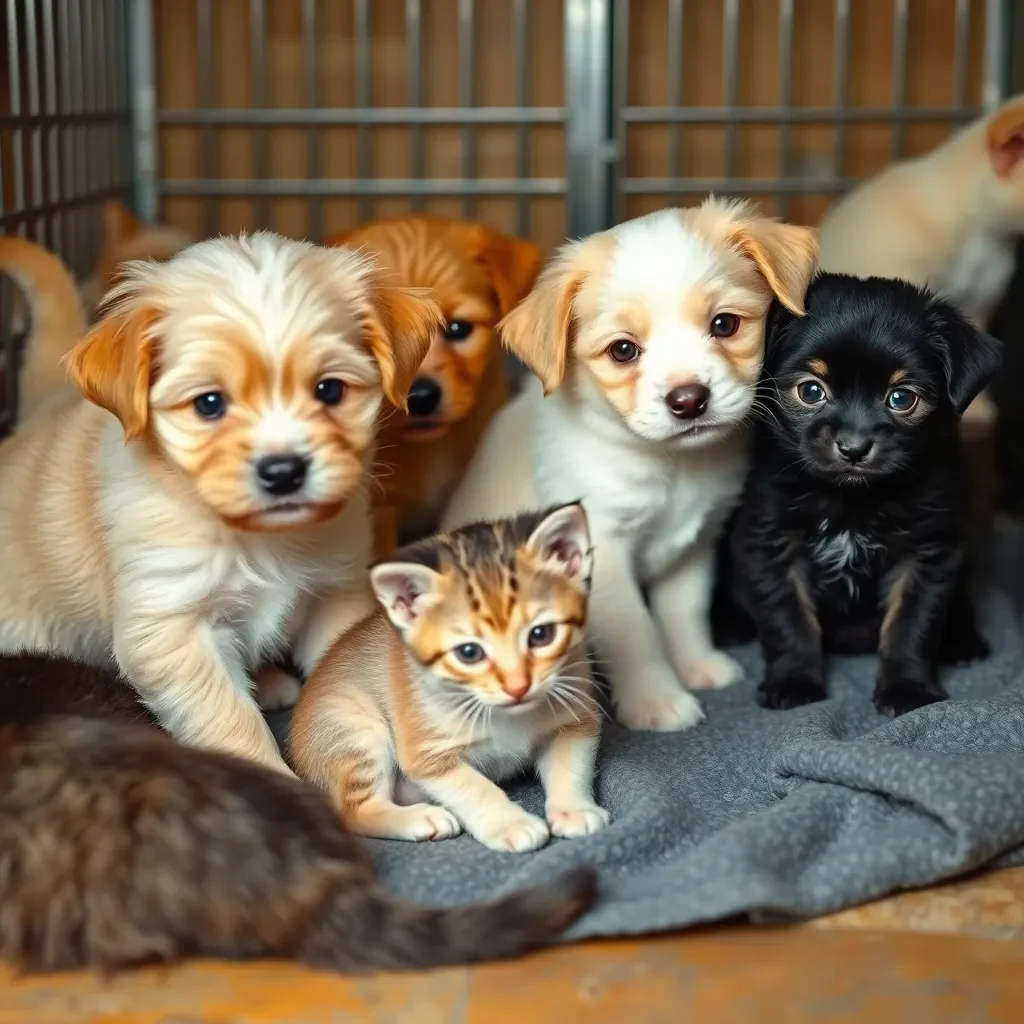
(853, 448)
(281, 474)
(688, 401)
(424, 397)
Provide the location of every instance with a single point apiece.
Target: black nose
(281, 474)
(424, 397)
(688, 401)
(854, 448)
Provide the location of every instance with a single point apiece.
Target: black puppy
(852, 532)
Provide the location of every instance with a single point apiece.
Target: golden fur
(405, 696)
(135, 529)
(477, 276)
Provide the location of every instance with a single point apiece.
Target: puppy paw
(785, 692)
(663, 710)
(713, 672)
(577, 820)
(964, 648)
(276, 689)
(515, 833)
(421, 823)
(899, 696)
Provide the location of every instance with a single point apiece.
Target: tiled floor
(945, 956)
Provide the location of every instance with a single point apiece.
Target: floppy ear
(786, 256)
(1005, 135)
(400, 328)
(512, 263)
(119, 223)
(403, 589)
(970, 357)
(111, 365)
(539, 330)
(563, 535)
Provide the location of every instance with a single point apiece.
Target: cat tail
(52, 311)
(381, 931)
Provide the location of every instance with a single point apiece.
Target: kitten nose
(853, 447)
(281, 474)
(517, 687)
(424, 397)
(688, 401)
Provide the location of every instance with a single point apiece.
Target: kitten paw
(519, 833)
(713, 672)
(902, 695)
(786, 692)
(423, 823)
(580, 820)
(674, 711)
(276, 689)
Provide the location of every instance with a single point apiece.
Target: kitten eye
(458, 330)
(811, 392)
(330, 391)
(469, 654)
(541, 636)
(624, 351)
(211, 406)
(724, 325)
(901, 400)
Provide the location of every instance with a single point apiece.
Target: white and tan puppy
(206, 509)
(647, 340)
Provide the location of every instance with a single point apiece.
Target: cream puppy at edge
(647, 341)
(206, 509)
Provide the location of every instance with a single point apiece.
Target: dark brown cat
(118, 847)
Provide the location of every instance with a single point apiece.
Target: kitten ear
(403, 588)
(970, 356)
(564, 535)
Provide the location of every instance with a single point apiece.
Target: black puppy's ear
(776, 325)
(970, 356)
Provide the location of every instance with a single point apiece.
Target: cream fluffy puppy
(206, 509)
(647, 340)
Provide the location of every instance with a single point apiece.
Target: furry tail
(384, 933)
(56, 318)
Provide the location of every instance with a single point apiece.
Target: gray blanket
(785, 813)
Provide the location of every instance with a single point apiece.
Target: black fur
(894, 523)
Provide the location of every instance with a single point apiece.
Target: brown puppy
(120, 847)
(477, 275)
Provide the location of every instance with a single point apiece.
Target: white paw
(277, 689)
(517, 833)
(712, 672)
(658, 705)
(423, 823)
(578, 820)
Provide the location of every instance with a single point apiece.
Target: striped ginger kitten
(473, 669)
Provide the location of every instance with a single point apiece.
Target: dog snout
(854, 448)
(424, 397)
(282, 474)
(688, 401)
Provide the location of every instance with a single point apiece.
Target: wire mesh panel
(64, 137)
(791, 101)
(309, 116)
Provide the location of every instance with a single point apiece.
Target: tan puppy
(948, 219)
(647, 340)
(477, 276)
(206, 509)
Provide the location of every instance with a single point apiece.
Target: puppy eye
(330, 391)
(469, 654)
(624, 351)
(211, 406)
(811, 392)
(725, 325)
(458, 330)
(901, 400)
(542, 635)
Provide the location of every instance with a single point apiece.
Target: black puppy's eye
(901, 400)
(810, 392)
(624, 351)
(330, 391)
(469, 654)
(541, 636)
(458, 330)
(725, 325)
(211, 406)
